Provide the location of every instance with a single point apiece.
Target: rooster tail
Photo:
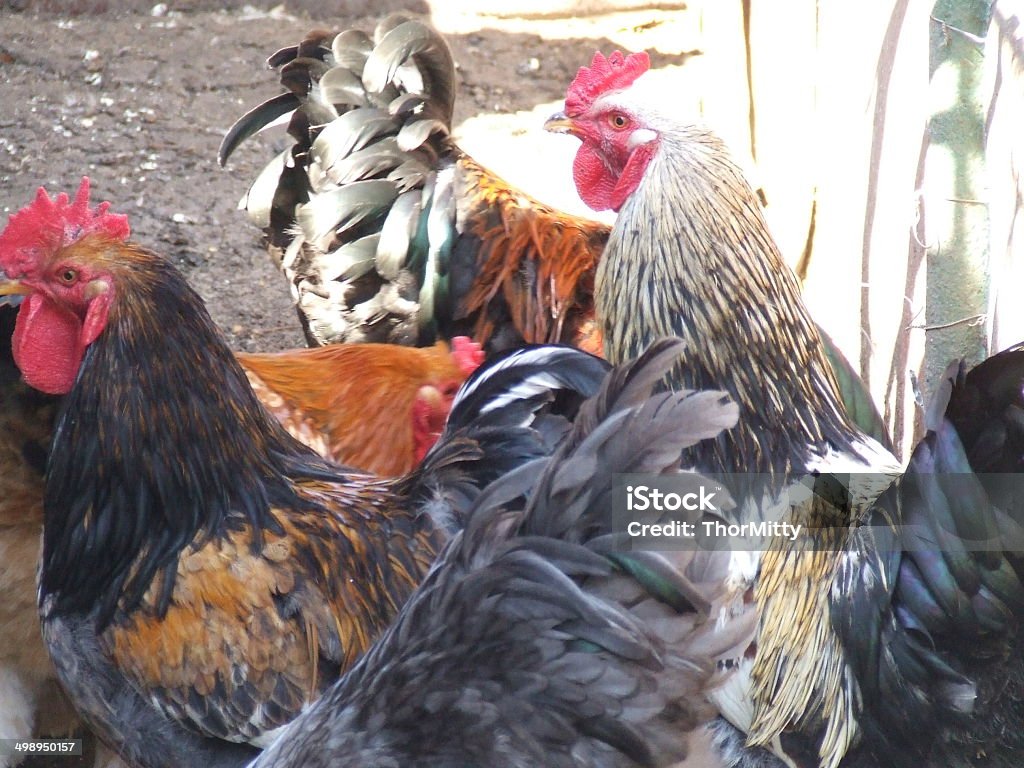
(929, 601)
(385, 229)
(360, 210)
(621, 428)
(860, 405)
(515, 386)
(625, 429)
(525, 617)
(665, 597)
(515, 408)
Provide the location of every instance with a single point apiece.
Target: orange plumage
(536, 260)
(378, 407)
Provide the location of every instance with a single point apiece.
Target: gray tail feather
(525, 643)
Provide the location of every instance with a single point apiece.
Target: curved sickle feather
(253, 121)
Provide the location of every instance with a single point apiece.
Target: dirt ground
(137, 96)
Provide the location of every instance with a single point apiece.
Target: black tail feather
(512, 410)
(506, 655)
(929, 602)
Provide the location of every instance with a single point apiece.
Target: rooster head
(617, 138)
(57, 253)
(434, 401)
(430, 411)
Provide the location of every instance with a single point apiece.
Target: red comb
(46, 224)
(603, 75)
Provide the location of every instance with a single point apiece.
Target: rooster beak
(559, 123)
(11, 291)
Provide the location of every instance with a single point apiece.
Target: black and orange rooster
(323, 397)
(204, 576)
(532, 642)
(387, 231)
(890, 634)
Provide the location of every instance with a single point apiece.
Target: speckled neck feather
(691, 256)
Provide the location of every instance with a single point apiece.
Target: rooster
(879, 643)
(529, 642)
(387, 231)
(378, 407)
(204, 576)
(417, 382)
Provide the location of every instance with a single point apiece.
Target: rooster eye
(68, 276)
(618, 120)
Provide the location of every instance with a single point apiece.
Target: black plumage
(929, 600)
(520, 648)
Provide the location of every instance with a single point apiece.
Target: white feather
(539, 356)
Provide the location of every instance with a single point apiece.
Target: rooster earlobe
(96, 315)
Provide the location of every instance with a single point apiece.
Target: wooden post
(955, 196)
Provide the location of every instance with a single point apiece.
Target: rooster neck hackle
(541, 259)
(691, 256)
(160, 442)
